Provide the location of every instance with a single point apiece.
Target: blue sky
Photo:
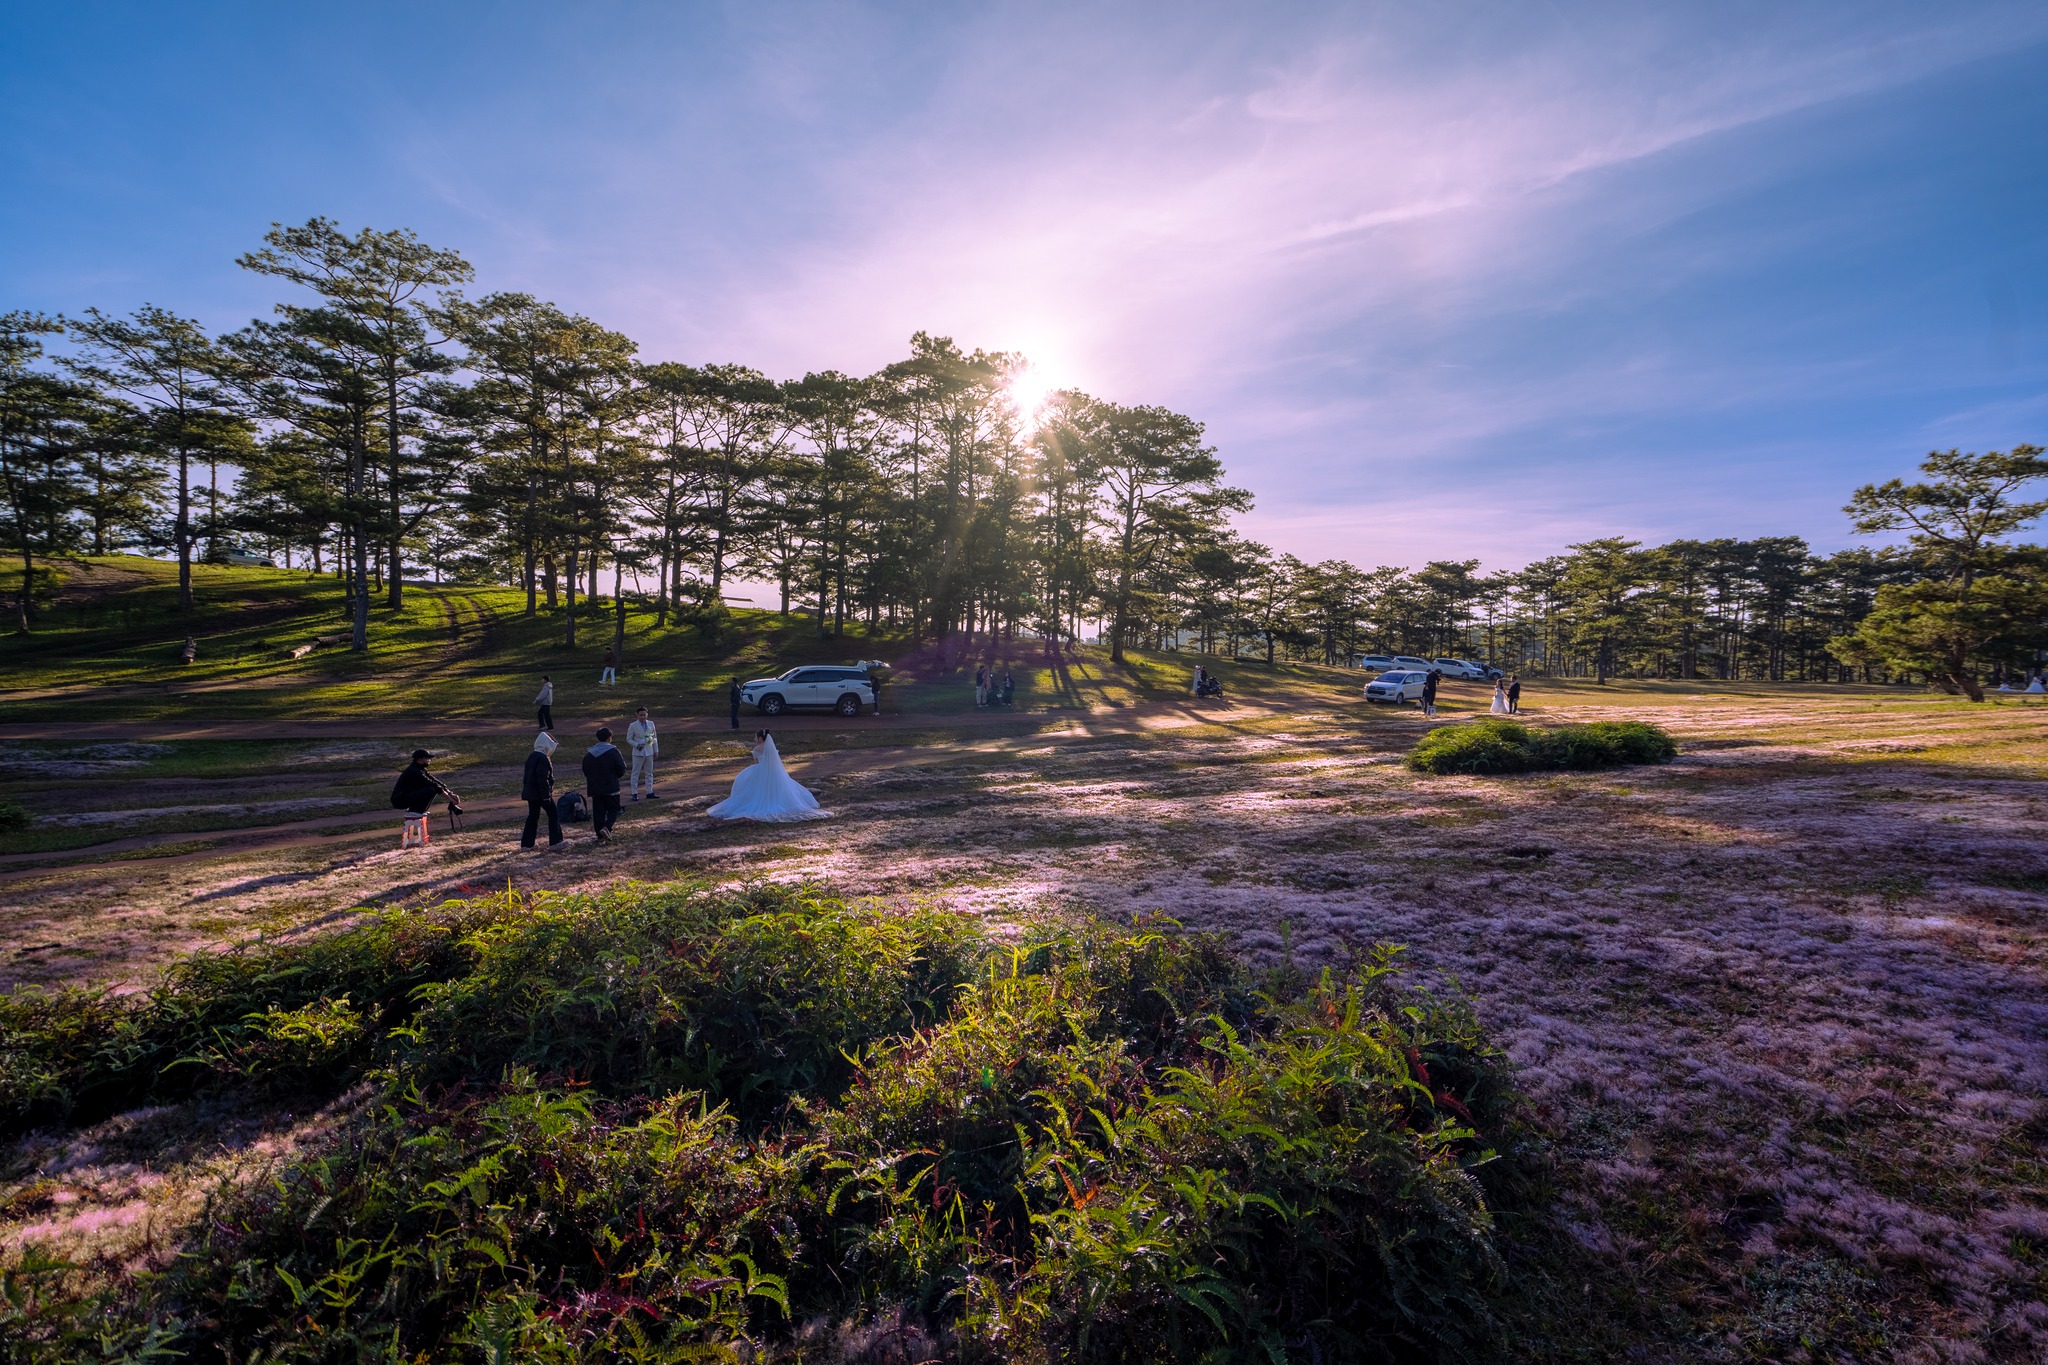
(1444, 281)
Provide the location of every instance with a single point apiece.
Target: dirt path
(684, 777)
(1144, 715)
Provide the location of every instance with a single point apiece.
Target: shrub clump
(1507, 746)
(670, 1123)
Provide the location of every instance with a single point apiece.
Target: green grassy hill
(112, 636)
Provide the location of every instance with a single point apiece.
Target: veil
(771, 758)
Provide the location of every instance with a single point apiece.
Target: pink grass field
(1778, 1006)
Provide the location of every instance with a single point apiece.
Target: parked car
(844, 690)
(1398, 688)
(249, 559)
(1380, 663)
(1466, 669)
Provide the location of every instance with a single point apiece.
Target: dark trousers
(534, 809)
(547, 717)
(735, 715)
(604, 812)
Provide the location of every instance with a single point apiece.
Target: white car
(1376, 663)
(249, 559)
(1397, 688)
(844, 690)
(1465, 669)
(1410, 661)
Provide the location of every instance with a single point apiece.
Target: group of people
(604, 765)
(1507, 694)
(764, 790)
(989, 690)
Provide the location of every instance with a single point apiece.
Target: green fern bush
(675, 1124)
(1507, 746)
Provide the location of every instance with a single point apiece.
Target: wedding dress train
(764, 790)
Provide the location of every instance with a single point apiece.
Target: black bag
(571, 809)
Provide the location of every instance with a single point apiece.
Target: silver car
(1397, 689)
(844, 690)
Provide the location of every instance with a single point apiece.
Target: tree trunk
(619, 617)
(359, 613)
(569, 581)
(395, 595)
(182, 533)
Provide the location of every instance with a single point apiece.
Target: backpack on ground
(570, 809)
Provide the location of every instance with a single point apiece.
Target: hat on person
(544, 743)
(419, 754)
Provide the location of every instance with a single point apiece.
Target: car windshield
(789, 676)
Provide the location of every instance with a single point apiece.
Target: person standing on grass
(1500, 698)
(603, 766)
(545, 700)
(610, 676)
(981, 686)
(1514, 694)
(537, 790)
(641, 740)
(732, 694)
(1429, 682)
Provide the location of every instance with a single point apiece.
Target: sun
(1031, 387)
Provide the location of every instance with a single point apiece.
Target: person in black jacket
(603, 766)
(537, 790)
(1429, 683)
(416, 788)
(732, 694)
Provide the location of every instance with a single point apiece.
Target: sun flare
(1031, 388)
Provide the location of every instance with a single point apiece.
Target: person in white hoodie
(641, 740)
(545, 700)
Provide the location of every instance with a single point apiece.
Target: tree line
(383, 423)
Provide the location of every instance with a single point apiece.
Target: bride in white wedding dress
(764, 790)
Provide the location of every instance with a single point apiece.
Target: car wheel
(849, 705)
(773, 705)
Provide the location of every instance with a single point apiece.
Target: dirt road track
(1146, 715)
(683, 777)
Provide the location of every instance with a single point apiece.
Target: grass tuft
(671, 1123)
(1506, 746)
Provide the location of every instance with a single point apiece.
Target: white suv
(1466, 669)
(844, 690)
(1396, 688)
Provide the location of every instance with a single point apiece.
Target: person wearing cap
(603, 766)
(416, 788)
(537, 790)
(641, 739)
